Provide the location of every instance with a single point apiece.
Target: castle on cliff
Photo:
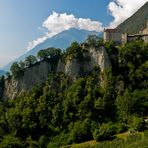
(122, 38)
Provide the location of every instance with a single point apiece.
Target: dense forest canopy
(63, 111)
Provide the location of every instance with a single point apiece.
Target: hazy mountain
(61, 40)
(136, 22)
(2, 72)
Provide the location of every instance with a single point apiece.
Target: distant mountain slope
(2, 72)
(61, 40)
(136, 22)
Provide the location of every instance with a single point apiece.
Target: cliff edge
(74, 67)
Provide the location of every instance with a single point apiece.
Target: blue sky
(20, 20)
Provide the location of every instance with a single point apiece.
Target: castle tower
(106, 35)
(112, 34)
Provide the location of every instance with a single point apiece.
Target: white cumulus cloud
(57, 23)
(122, 9)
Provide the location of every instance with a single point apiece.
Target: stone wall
(112, 34)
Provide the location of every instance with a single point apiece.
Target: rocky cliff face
(38, 73)
(35, 75)
(91, 58)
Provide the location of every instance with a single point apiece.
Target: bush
(31, 143)
(10, 141)
(105, 132)
(81, 132)
(43, 141)
(121, 127)
(16, 70)
(138, 124)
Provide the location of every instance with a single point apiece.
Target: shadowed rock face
(73, 67)
(35, 75)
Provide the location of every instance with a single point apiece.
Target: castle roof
(112, 30)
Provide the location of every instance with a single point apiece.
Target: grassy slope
(139, 19)
(123, 140)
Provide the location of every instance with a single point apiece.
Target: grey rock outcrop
(100, 57)
(91, 58)
(38, 73)
(35, 75)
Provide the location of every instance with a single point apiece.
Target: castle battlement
(122, 38)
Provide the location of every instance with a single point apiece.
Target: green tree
(132, 57)
(8, 75)
(10, 141)
(132, 103)
(138, 124)
(79, 132)
(42, 54)
(43, 141)
(30, 60)
(15, 69)
(22, 65)
(13, 117)
(3, 121)
(73, 49)
(92, 40)
(53, 51)
(105, 132)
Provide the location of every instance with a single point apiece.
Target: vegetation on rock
(63, 111)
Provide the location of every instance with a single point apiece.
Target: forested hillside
(96, 105)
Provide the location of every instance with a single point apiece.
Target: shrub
(121, 127)
(81, 132)
(16, 70)
(58, 141)
(43, 141)
(106, 131)
(138, 124)
(52, 145)
(10, 141)
(31, 143)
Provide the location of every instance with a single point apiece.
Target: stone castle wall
(118, 37)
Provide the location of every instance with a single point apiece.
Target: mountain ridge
(2, 72)
(61, 40)
(139, 18)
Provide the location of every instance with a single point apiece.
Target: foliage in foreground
(63, 111)
(129, 141)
